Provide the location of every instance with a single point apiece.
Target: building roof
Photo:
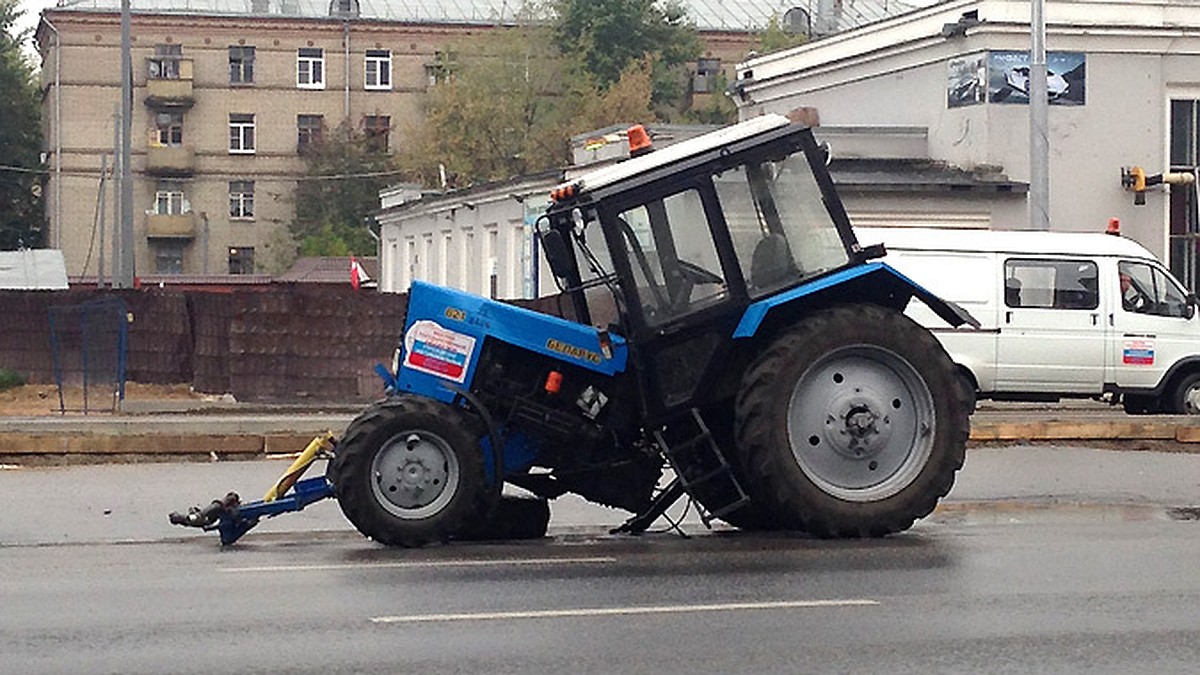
(33, 270)
(707, 15)
(328, 269)
(918, 175)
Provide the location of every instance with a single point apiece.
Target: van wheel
(1185, 397)
(1139, 405)
(852, 424)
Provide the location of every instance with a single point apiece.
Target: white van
(1061, 314)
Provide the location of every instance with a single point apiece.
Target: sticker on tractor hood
(430, 348)
(1138, 352)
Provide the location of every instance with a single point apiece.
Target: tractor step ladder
(700, 466)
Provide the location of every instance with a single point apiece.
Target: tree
(775, 37)
(22, 174)
(610, 35)
(339, 192)
(511, 107)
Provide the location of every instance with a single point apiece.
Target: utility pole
(124, 273)
(1039, 122)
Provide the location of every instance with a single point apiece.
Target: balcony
(170, 161)
(173, 226)
(169, 83)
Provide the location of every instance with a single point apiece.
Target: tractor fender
(868, 280)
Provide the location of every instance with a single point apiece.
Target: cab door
(1152, 325)
(1052, 334)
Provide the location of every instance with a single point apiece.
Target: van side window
(1051, 284)
(1148, 289)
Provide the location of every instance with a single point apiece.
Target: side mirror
(1189, 310)
(556, 253)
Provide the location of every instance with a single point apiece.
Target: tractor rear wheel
(852, 424)
(410, 471)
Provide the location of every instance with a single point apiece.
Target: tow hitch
(232, 519)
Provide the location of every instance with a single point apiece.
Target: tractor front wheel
(852, 424)
(410, 471)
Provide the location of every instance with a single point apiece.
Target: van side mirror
(556, 253)
(1189, 310)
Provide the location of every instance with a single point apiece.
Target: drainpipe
(346, 66)
(55, 231)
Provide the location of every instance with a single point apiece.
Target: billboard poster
(1008, 77)
(967, 81)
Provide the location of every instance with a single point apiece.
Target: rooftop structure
(807, 16)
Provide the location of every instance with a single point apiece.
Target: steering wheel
(690, 276)
(697, 274)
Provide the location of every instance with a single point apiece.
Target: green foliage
(511, 109)
(21, 169)
(340, 191)
(500, 115)
(10, 379)
(775, 38)
(717, 109)
(608, 36)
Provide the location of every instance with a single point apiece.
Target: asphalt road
(1063, 560)
(955, 596)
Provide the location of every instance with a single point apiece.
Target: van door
(1151, 329)
(1052, 336)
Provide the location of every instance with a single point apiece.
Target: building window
(241, 199)
(168, 199)
(168, 257)
(375, 128)
(442, 68)
(241, 134)
(241, 260)
(169, 129)
(708, 71)
(309, 129)
(379, 69)
(310, 68)
(164, 65)
(1184, 219)
(241, 65)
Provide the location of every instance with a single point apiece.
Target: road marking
(624, 611)
(423, 564)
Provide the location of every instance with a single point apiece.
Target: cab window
(782, 232)
(1148, 289)
(1051, 284)
(675, 265)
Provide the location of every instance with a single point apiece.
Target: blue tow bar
(231, 518)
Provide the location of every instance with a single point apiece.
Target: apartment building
(227, 95)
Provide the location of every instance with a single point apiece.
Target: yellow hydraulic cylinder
(298, 467)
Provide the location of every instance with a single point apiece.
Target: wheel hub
(855, 426)
(411, 474)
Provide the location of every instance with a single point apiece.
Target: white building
(1124, 88)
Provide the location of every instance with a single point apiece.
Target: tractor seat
(772, 264)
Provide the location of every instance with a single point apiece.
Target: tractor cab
(670, 248)
(751, 213)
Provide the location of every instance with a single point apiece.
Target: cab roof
(682, 150)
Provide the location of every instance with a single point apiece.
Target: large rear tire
(852, 424)
(410, 471)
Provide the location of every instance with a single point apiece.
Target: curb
(109, 443)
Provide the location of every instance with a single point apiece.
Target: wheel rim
(414, 475)
(1191, 399)
(861, 423)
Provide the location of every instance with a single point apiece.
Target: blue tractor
(723, 337)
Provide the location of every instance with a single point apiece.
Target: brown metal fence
(287, 342)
